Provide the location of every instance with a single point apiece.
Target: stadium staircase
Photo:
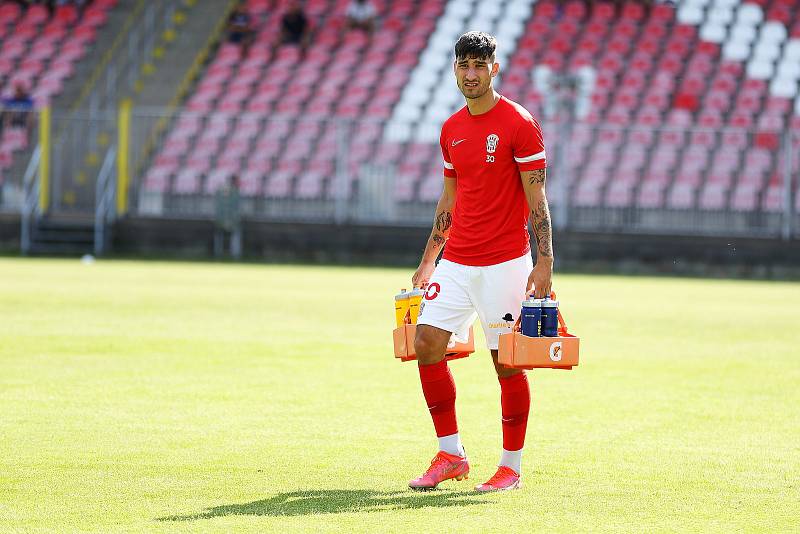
(195, 21)
(689, 107)
(141, 66)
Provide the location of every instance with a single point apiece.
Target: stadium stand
(683, 69)
(688, 108)
(344, 74)
(40, 50)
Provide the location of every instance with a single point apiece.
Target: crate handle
(561, 322)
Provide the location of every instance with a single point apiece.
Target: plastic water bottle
(401, 307)
(549, 318)
(531, 315)
(414, 300)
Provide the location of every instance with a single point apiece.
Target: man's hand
(423, 274)
(540, 279)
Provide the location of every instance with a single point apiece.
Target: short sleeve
(449, 170)
(529, 146)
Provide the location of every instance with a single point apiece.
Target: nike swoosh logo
(457, 142)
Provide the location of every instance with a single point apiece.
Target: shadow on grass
(334, 502)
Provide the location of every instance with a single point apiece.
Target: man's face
(474, 75)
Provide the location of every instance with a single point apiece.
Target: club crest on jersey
(491, 143)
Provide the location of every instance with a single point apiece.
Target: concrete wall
(398, 246)
(575, 251)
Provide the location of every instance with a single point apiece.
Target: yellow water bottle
(401, 303)
(414, 300)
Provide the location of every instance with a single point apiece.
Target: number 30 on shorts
(433, 291)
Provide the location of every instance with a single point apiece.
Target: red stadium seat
(66, 13)
(36, 14)
(9, 12)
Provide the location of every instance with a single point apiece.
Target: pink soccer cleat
(504, 479)
(444, 466)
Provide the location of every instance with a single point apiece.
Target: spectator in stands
(79, 4)
(51, 5)
(240, 29)
(17, 111)
(228, 220)
(361, 15)
(295, 27)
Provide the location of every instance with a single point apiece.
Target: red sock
(515, 398)
(440, 395)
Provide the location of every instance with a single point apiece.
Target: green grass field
(180, 397)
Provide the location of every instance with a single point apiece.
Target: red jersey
(486, 153)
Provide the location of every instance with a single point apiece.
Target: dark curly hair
(476, 45)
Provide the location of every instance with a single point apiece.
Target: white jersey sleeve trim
(528, 159)
(448, 165)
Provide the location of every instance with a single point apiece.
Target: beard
(474, 92)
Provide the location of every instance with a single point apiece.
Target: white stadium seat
(542, 75)
(712, 32)
(480, 24)
(743, 34)
(428, 132)
(767, 51)
(783, 87)
(788, 69)
(519, 10)
(438, 114)
(489, 10)
(689, 14)
(408, 113)
(750, 14)
(458, 10)
(760, 70)
(397, 131)
(735, 51)
(773, 32)
(720, 15)
(791, 51)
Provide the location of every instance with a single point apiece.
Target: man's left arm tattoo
(543, 229)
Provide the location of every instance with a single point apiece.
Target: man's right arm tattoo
(537, 177)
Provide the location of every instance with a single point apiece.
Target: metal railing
(351, 171)
(30, 201)
(106, 201)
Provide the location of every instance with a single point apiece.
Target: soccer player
(494, 179)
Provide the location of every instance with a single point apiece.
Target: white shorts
(458, 293)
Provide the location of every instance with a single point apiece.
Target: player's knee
(427, 348)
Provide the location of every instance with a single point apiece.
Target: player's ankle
(452, 445)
